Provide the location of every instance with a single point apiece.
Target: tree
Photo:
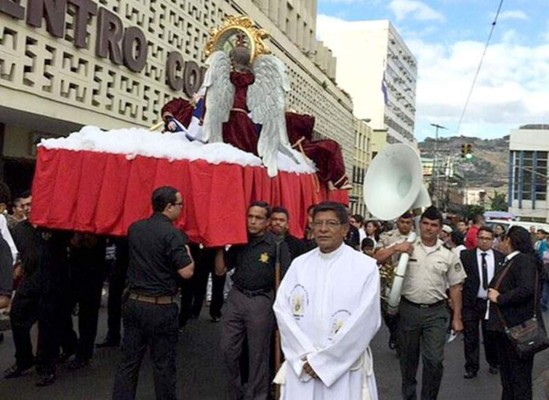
(498, 202)
(472, 210)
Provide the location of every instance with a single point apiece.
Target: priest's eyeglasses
(330, 224)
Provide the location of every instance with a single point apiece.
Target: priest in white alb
(328, 311)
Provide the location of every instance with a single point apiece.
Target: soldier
(424, 315)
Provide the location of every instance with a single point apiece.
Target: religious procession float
(231, 144)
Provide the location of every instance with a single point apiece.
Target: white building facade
(115, 63)
(377, 69)
(528, 174)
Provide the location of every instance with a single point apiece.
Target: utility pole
(434, 177)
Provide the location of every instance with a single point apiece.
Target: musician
(424, 316)
(391, 245)
(480, 265)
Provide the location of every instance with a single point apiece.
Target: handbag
(528, 337)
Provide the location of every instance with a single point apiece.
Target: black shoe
(215, 319)
(392, 344)
(15, 371)
(64, 357)
(108, 343)
(469, 375)
(493, 370)
(78, 363)
(45, 379)
(1, 337)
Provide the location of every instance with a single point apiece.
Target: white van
(526, 225)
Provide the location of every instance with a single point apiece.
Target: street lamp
(435, 159)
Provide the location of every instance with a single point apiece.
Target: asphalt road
(201, 375)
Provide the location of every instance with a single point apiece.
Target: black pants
(28, 307)
(85, 290)
(472, 317)
(23, 315)
(193, 291)
(515, 372)
(422, 330)
(253, 318)
(152, 326)
(117, 283)
(391, 321)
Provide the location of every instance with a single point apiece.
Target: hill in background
(487, 169)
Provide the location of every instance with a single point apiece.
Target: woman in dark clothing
(515, 298)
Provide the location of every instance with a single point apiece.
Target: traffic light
(467, 151)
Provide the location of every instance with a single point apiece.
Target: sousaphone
(392, 186)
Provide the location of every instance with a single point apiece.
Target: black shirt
(27, 240)
(255, 262)
(353, 237)
(87, 258)
(295, 246)
(157, 251)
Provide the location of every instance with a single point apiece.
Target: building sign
(121, 45)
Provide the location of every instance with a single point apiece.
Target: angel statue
(241, 94)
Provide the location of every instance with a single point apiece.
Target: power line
(479, 66)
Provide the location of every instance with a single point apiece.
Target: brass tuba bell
(392, 186)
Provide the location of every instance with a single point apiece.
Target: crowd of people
(494, 291)
(326, 293)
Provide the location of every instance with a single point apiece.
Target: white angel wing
(219, 95)
(266, 104)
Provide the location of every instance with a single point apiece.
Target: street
(201, 373)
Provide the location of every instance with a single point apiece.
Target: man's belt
(253, 293)
(418, 305)
(152, 299)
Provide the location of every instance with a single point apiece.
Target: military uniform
(389, 239)
(424, 316)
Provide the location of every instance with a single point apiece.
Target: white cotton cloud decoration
(138, 141)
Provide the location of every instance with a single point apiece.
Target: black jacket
(516, 299)
(472, 282)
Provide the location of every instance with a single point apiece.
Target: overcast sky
(448, 37)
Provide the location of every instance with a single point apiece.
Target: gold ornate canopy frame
(238, 31)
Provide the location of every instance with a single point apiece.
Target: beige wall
(362, 158)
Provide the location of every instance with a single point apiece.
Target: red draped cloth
(325, 153)
(105, 193)
(180, 109)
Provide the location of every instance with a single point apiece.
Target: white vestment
(328, 310)
(5, 233)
